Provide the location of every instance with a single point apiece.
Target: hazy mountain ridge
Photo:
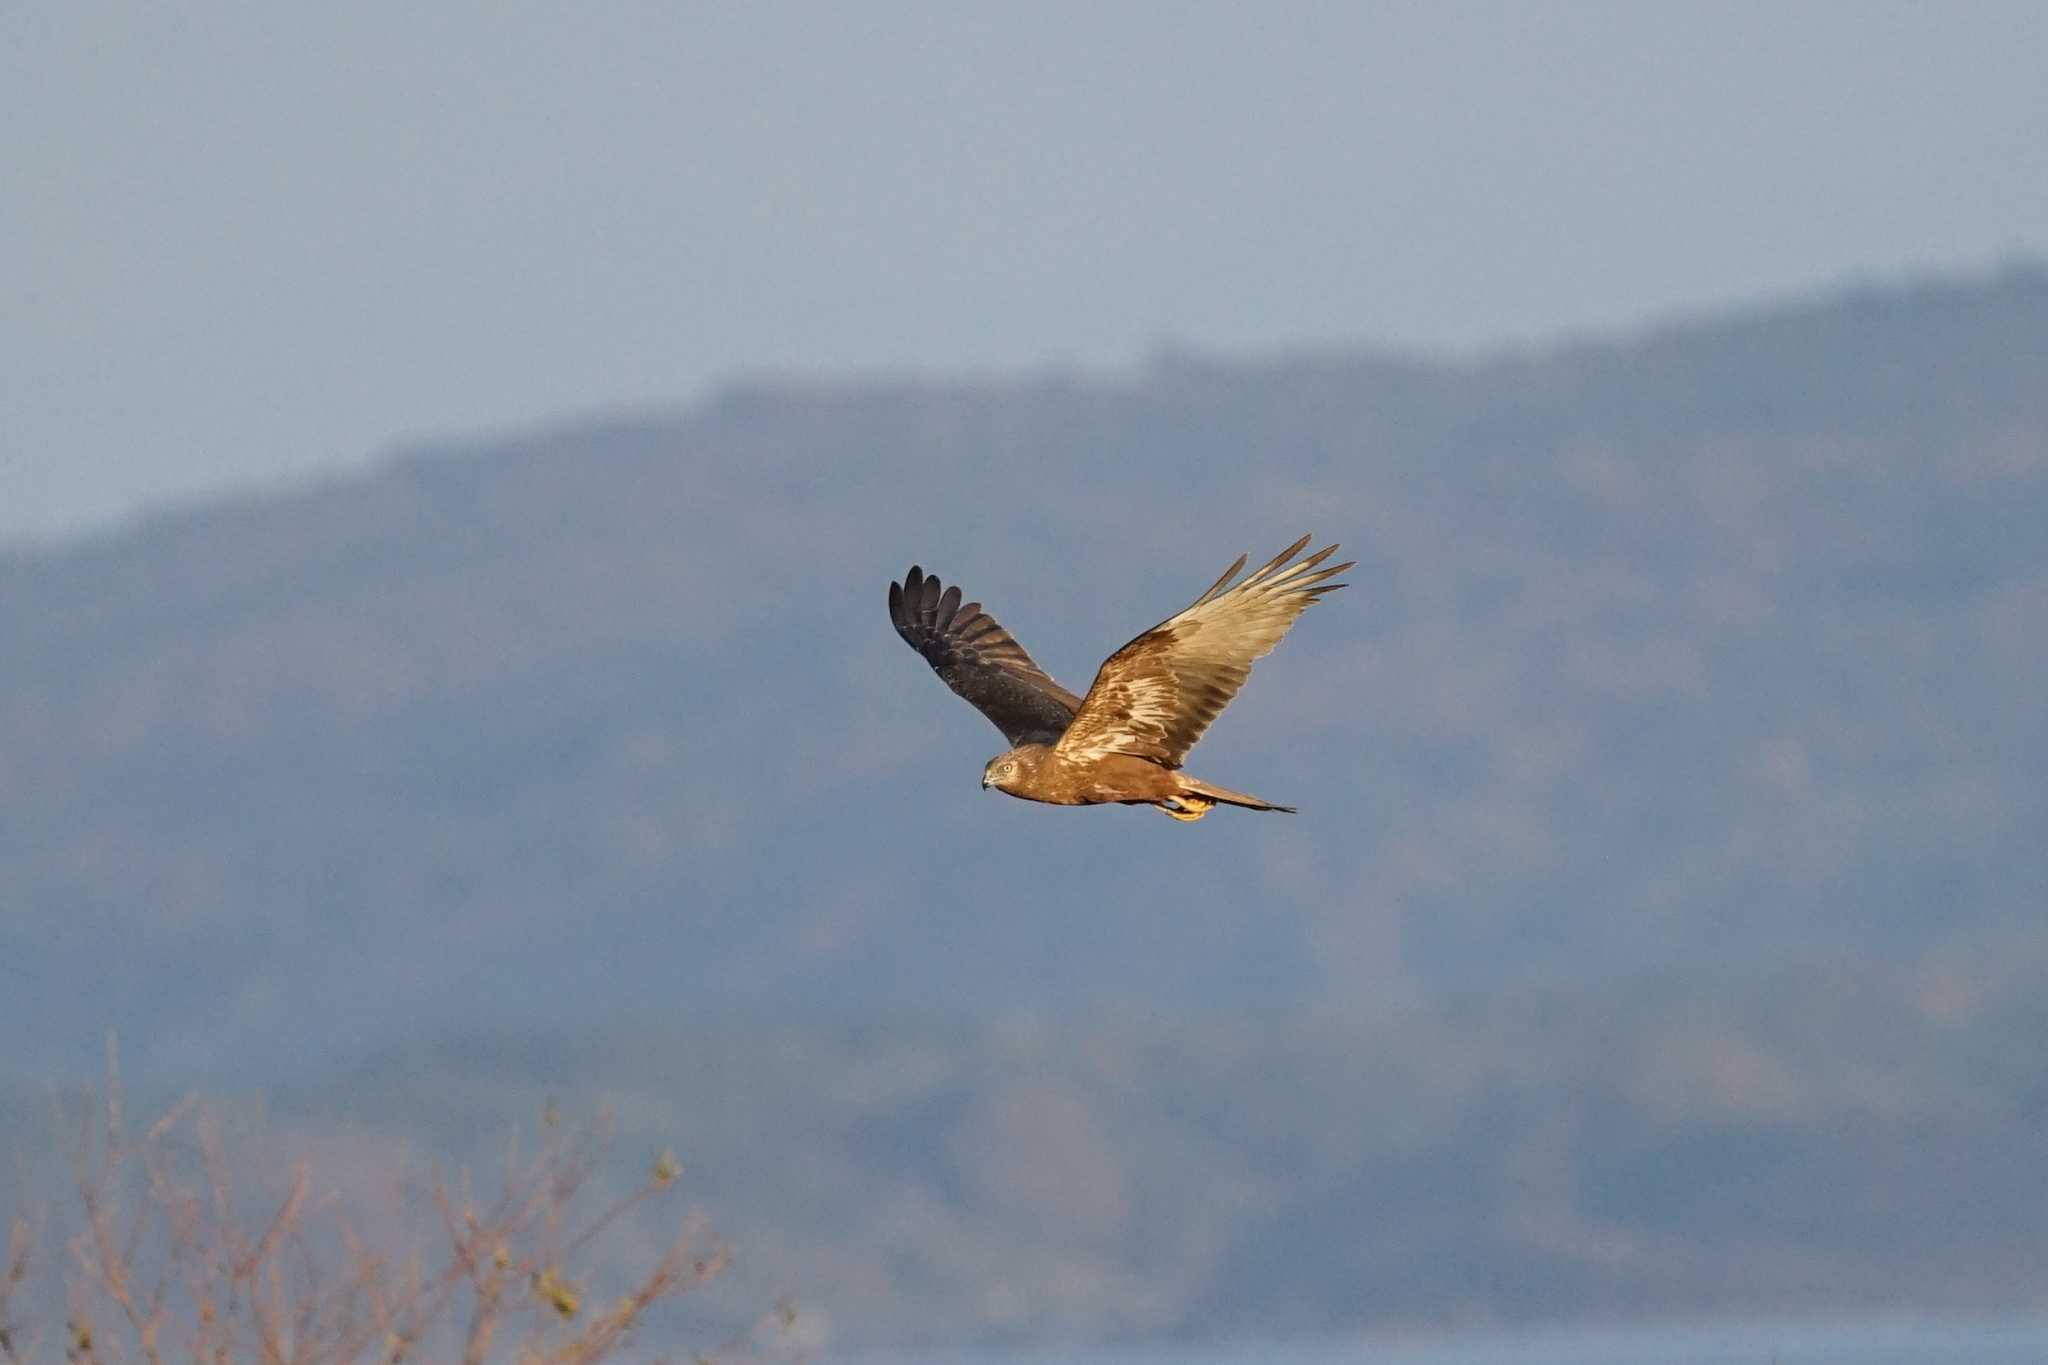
(1716, 642)
(1661, 933)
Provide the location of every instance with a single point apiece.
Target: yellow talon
(1190, 807)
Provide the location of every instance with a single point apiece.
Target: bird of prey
(1150, 702)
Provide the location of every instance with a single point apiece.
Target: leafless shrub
(173, 1260)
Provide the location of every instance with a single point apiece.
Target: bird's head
(1001, 772)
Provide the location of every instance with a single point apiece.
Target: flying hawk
(1150, 702)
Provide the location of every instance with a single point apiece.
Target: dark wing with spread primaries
(1154, 697)
(980, 660)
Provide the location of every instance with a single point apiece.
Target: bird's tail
(1198, 796)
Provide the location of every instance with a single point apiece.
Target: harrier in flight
(1150, 702)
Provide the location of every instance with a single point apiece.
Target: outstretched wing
(1154, 697)
(980, 660)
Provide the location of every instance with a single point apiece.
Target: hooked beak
(984, 779)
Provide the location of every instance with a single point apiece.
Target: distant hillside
(1661, 935)
(1820, 1138)
(1833, 1138)
(1699, 648)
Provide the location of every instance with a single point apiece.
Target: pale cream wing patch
(1157, 695)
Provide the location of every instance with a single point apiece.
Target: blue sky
(241, 245)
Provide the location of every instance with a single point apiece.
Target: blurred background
(452, 461)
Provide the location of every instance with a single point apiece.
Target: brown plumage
(1151, 700)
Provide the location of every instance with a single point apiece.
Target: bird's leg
(1185, 807)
